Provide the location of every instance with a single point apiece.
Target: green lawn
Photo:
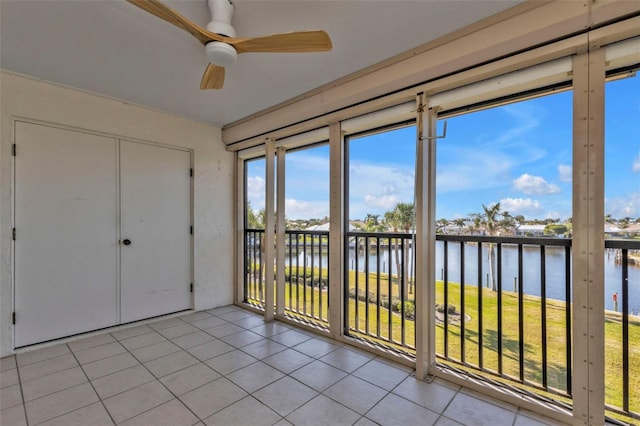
(381, 323)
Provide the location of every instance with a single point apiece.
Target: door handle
(126, 242)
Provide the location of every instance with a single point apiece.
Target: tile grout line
(249, 394)
(389, 392)
(24, 403)
(71, 387)
(92, 386)
(199, 361)
(163, 385)
(80, 365)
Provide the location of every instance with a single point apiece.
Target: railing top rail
(540, 241)
(622, 244)
(293, 232)
(303, 232)
(379, 234)
(536, 241)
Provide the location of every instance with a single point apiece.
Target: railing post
(625, 329)
(280, 231)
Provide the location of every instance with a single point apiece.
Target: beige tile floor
(225, 366)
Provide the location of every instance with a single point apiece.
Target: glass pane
(622, 245)
(379, 242)
(505, 172)
(307, 233)
(254, 196)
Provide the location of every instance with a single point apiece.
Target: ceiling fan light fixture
(221, 54)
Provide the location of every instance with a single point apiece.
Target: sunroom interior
(163, 301)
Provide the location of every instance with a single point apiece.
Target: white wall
(22, 97)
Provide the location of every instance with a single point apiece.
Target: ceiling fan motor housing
(221, 54)
(221, 14)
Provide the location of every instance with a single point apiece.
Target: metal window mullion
(242, 252)
(337, 193)
(425, 237)
(269, 235)
(588, 236)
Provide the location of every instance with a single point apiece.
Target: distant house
(325, 227)
(612, 230)
(530, 230)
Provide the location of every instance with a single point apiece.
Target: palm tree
(402, 218)
(370, 224)
(460, 223)
(441, 225)
(254, 220)
(490, 220)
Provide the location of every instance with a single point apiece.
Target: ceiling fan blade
(162, 11)
(213, 77)
(300, 41)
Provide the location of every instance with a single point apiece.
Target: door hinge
(191, 229)
(14, 234)
(191, 288)
(13, 150)
(190, 172)
(13, 318)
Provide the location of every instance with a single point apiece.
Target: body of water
(554, 271)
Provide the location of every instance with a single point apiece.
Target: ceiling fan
(222, 46)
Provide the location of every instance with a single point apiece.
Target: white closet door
(155, 218)
(66, 236)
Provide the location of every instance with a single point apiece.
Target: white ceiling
(115, 49)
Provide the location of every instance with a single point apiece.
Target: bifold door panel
(78, 197)
(155, 218)
(65, 220)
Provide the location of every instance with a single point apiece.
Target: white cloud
(565, 172)
(386, 202)
(627, 206)
(636, 164)
(376, 188)
(552, 215)
(523, 206)
(534, 185)
(256, 192)
(473, 170)
(297, 209)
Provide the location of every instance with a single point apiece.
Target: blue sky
(519, 155)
